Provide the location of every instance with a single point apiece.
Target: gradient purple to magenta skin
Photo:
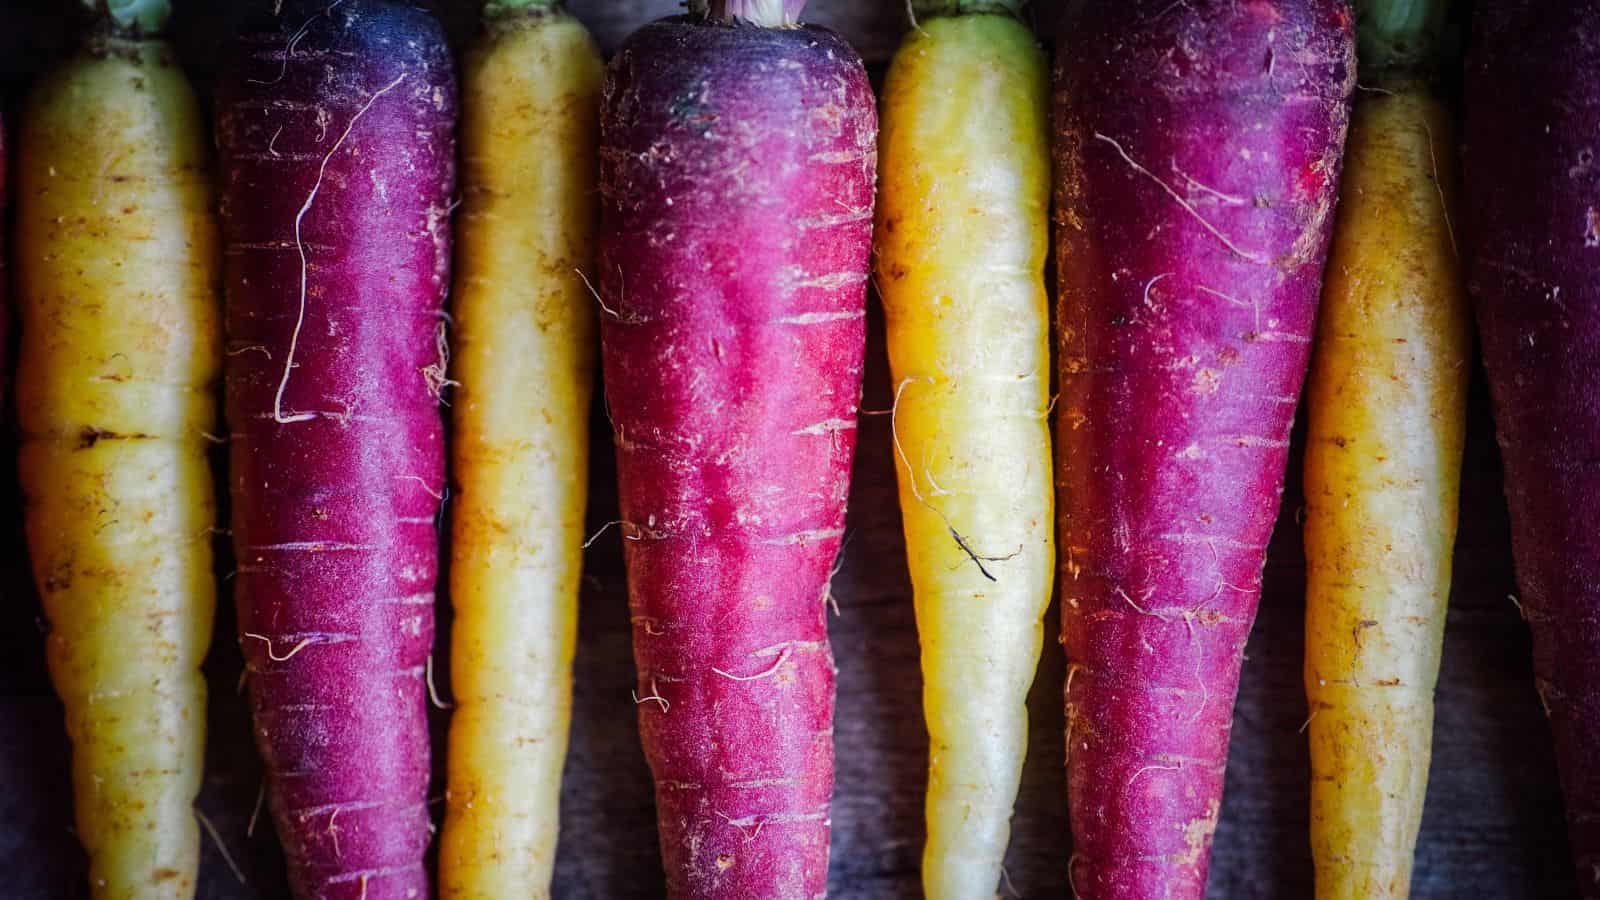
(737, 171)
(1533, 222)
(333, 516)
(1181, 129)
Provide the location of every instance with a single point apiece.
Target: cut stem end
(1399, 36)
(133, 17)
(928, 9)
(764, 13)
(498, 9)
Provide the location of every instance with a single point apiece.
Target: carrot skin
(118, 266)
(338, 162)
(524, 348)
(736, 178)
(1196, 175)
(1387, 416)
(1532, 113)
(961, 243)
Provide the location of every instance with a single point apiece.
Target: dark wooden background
(1493, 822)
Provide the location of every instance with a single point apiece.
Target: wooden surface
(1493, 822)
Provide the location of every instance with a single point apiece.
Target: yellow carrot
(524, 347)
(962, 235)
(117, 264)
(1387, 408)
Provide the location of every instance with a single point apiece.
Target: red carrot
(1197, 165)
(1533, 111)
(736, 175)
(335, 125)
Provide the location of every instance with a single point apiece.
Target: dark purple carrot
(1197, 161)
(737, 170)
(1532, 132)
(335, 125)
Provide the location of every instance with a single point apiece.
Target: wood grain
(1492, 826)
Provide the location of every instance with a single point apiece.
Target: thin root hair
(299, 242)
(1438, 187)
(653, 697)
(771, 671)
(255, 811)
(1187, 206)
(304, 643)
(221, 847)
(433, 692)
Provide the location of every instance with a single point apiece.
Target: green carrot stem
(495, 9)
(1399, 37)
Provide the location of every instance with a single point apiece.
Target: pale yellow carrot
(525, 357)
(961, 240)
(1387, 410)
(117, 263)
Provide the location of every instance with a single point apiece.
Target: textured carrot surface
(962, 237)
(118, 288)
(737, 171)
(1387, 409)
(524, 354)
(1196, 177)
(338, 169)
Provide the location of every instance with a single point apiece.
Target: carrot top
(931, 8)
(765, 13)
(136, 17)
(496, 8)
(1399, 37)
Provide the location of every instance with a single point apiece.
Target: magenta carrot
(1532, 115)
(1197, 169)
(335, 125)
(737, 167)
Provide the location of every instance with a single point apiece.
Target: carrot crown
(1398, 37)
(494, 9)
(133, 16)
(766, 13)
(927, 9)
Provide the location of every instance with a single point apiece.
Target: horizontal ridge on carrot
(1533, 226)
(737, 163)
(1196, 173)
(336, 126)
(524, 354)
(962, 237)
(118, 286)
(1387, 408)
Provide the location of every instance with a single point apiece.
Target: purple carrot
(335, 124)
(1198, 148)
(1532, 134)
(737, 169)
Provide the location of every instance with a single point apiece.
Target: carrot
(962, 234)
(1387, 407)
(1197, 168)
(335, 122)
(524, 347)
(117, 260)
(1532, 111)
(737, 164)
